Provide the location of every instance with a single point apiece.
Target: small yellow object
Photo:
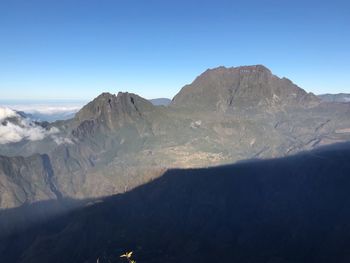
(127, 255)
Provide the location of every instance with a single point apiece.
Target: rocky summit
(118, 142)
(250, 87)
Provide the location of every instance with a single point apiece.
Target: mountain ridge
(117, 142)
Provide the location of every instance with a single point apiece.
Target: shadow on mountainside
(18, 219)
(293, 209)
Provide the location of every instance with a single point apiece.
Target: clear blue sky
(58, 49)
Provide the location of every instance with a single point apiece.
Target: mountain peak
(112, 111)
(244, 87)
(107, 103)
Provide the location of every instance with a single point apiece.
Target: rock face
(224, 89)
(118, 142)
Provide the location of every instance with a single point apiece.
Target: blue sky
(66, 49)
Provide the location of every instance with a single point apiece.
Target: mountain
(249, 87)
(160, 102)
(291, 209)
(118, 142)
(341, 97)
(111, 112)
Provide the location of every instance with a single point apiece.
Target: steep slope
(293, 209)
(248, 87)
(25, 180)
(108, 129)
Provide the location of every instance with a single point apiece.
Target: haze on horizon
(65, 50)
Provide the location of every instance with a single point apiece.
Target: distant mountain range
(117, 142)
(161, 102)
(341, 97)
(273, 205)
(50, 112)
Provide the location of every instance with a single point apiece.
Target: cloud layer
(18, 128)
(47, 111)
(6, 113)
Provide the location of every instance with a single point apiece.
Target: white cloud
(21, 129)
(50, 111)
(6, 113)
(61, 140)
(47, 109)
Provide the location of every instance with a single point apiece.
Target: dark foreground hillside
(294, 209)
